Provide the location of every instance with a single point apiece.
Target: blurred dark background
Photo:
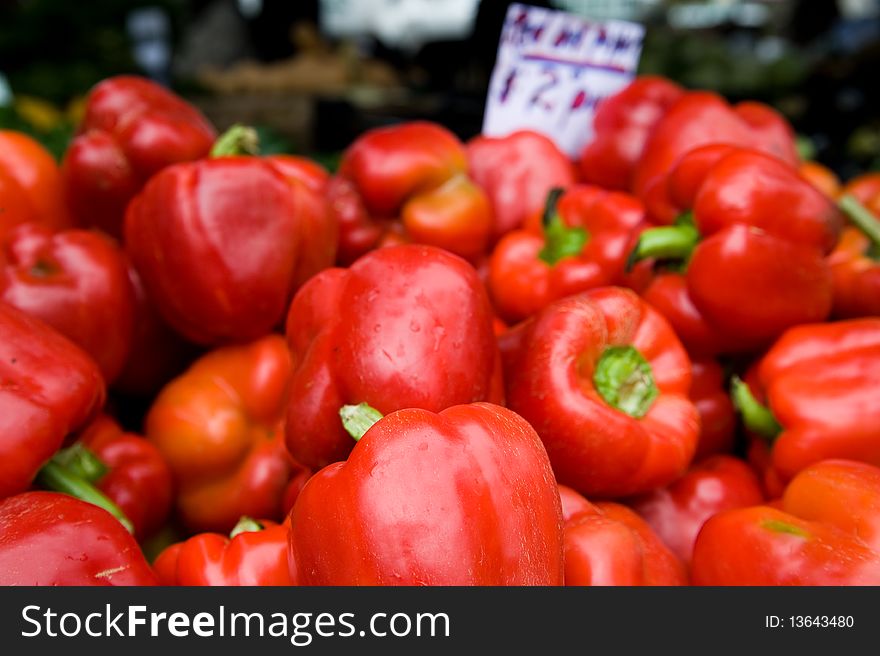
(314, 74)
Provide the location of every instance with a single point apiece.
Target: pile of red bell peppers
(445, 363)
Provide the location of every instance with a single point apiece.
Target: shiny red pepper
(157, 352)
(751, 228)
(48, 389)
(855, 263)
(404, 183)
(404, 327)
(717, 416)
(77, 282)
(463, 497)
(825, 531)
(580, 241)
(608, 544)
(130, 470)
(604, 381)
(48, 538)
(221, 244)
(219, 425)
(677, 512)
(622, 125)
(132, 129)
(517, 172)
(255, 553)
(819, 383)
(30, 184)
(701, 118)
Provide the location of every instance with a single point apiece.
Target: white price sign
(552, 70)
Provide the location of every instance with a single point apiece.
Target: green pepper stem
(861, 217)
(625, 380)
(80, 461)
(560, 240)
(358, 419)
(54, 476)
(246, 525)
(757, 417)
(675, 242)
(237, 140)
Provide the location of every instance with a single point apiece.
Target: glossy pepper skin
(759, 231)
(517, 172)
(30, 184)
(608, 544)
(132, 128)
(37, 412)
(255, 554)
(825, 531)
(137, 478)
(819, 383)
(404, 327)
(219, 427)
(408, 182)
(48, 538)
(698, 119)
(77, 282)
(605, 382)
(221, 244)
(578, 243)
(709, 394)
(677, 513)
(157, 352)
(622, 125)
(855, 263)
(463, 497)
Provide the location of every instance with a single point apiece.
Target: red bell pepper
(128, 469)
(517, 172)
(622, 125)
(580, 241)
(717, 416)
(408, 182)
(463, 497)
(221, 244)
(132, 129)
(77, 282)
(30, 184)
(701, 118)
(855, 263)
(605, 382)
(677, 512)
(404, 327)
(608, 544)
(219, 427)
(48, 538)
(255, 553)
(157, 352)
(49, 389)
(753, 229)
(819, 383)
(826, 531)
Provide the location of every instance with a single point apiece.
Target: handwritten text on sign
(552, 70)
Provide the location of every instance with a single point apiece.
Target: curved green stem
(246, 525)
(80, 461)
(757, 417)
(560, 240)
(625, 380)
(237, 140)
(675, 242)
(862, 218)
(358, 419)
(54, 476)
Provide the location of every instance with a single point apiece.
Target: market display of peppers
(446, 362)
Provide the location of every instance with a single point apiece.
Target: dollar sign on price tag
(552, 70)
